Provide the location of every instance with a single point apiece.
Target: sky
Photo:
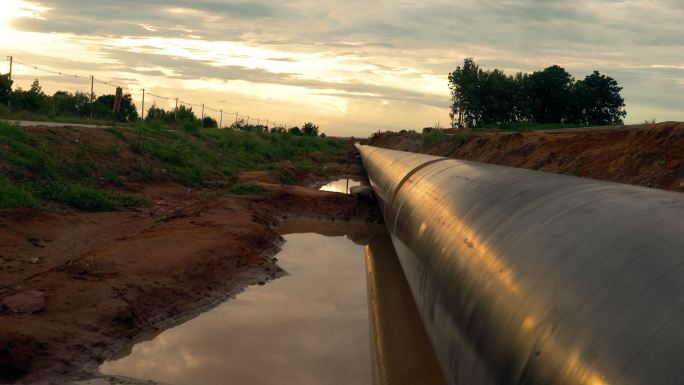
(353, 67)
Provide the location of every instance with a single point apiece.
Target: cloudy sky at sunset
(352, 66)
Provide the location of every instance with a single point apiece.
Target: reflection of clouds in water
(310, 327)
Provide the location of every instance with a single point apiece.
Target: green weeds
(15, 196)
(86, 175)
(432, 137)
(246, 189)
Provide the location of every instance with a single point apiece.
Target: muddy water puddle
(341, 185)
(308, 327)
(343, 314)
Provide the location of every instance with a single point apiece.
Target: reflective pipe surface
(526, 277)
(402, 354)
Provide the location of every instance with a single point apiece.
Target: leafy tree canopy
(552, 95)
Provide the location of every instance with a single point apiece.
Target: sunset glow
(352, 72)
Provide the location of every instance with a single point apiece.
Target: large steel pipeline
(526, 277)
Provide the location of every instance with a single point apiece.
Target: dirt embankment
(86, 283)
(651, 156)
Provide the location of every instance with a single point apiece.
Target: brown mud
(108, 277)
(648, 155)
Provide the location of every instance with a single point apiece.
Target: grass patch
(88, 198)
(84, 174)
(15, 196)
(246, 189)
(26, 154)
(307, 164)
(117, 134)
(458, 140)
(11, 114)
(283, 176)
(433, 137)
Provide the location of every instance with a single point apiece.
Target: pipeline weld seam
(390, 203)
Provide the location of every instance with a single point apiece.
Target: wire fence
(142, 96)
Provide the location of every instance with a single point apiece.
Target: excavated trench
(341, 313)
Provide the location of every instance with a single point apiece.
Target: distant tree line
(490, 97)
(78, 104)
(64, 103)
(184, 117)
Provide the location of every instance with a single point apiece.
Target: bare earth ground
(107, 277)
(649, 155)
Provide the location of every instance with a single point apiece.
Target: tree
(294, 131)
(209, 122)
(156, 113)
(66, 103)
(183, 114)
(550, 91)
(5, 88)
(484, 97)
(310, 129)
(33, 100)
(463, 83)
(496, 98)
(104, 108)
(598, 101)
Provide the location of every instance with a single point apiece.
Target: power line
(93, 80)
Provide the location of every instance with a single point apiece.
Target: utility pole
(92, 94)
(143, 106)
(248, 120)
(175, 112)
(202, 114)
(266, 123)
(221, 121)
(236, 117)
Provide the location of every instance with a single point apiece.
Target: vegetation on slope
(91, 169)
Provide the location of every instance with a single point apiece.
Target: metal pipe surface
(526, 277)
(402, 353)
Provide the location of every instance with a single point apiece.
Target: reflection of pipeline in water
(402, 354)
(526, 277)
(357, 232)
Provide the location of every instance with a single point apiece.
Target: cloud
(377, 52)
